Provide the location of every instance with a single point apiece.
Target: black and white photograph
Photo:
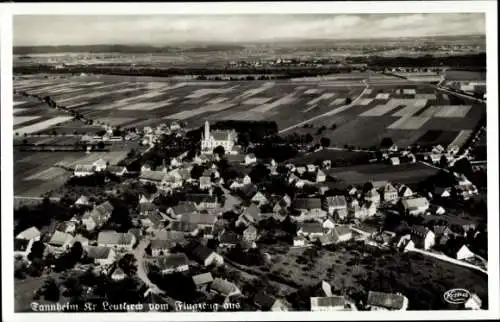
(220, 164)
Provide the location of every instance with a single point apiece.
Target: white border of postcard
(9, 9)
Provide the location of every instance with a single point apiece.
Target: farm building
(422, 237)
(113, 239)
(415, 206)
(83, 170)
(336, 204)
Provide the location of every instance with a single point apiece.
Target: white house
(389, 193)
(473, 303)
(113, 239)
(83, 170)
(103, 256)
(250, 159)
(423, 237)
(328, 224)
(31, 233)
(259, 198)
(405, 192)
(464, 253)
(336, 204)
(100, 165)
(372, 196)
(320, 176)
(415, 206)
(206, 256)
(22, 247)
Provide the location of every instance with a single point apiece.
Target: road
(37, 198)
(329, 113)
(449, 260)
(139, 252)
(460, 94)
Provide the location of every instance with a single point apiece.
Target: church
(212, 139)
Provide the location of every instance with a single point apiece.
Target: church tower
(207, 131)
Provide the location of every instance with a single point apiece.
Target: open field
(390, 107)
(408, 173)
(37, 173)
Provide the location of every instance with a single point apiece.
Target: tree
(50, 290)
(219, 151)
(325, 142)
(333, 127)
(348, 101)
(128, 263)
(386, 142)
(76, 251)
(37, 250)
(308, 138)
(196, 171)
(443, 162)
(100, 145)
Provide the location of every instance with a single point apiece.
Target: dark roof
(171, 261)
(98, 252)
(311, 227)
(307, 203)
(201, 197)
(146, 206)
(233, 158)
(21, 245)
(116, 168)
(199, 219)
(229, 237)
(198, 251)
(439, 230)
(419, 230)
(204, 278)
(387, 300)
(183, 226)
(184, 207)
(263, 300)
(223, 286)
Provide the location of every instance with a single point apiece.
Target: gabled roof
(229, 237)
(419, 230)
(59, 238)
(183, 226)
(199, 252)
(311, 227)
(202, 279)
(30, 233)
(307, 203)
(116, 169)
(336, 201)
(98, 252)
(251, 230)
(83, 200)
(341, 230)
(389, 188)
(330, 301)
(199, 219)
(21, 245)
(153, 175)
(223, 286)
(372, 193)
(252, 213)
(415, 203)
(440, 230)
(111, 237)
(201, 197)
(170, 235)
(258, 196)
(184, 208)
(84, 168)
(386, 300)
(171, 261)
(263, 300)
(146, 206)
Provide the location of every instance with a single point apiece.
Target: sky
(158, 30)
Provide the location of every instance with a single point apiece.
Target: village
(195, 230)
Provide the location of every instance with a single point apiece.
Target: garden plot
(325, 96)
(312, 91)
(217, 100)
(338, 101)
(380, 110)
(425, 96)
(412, 107)
(183, 115)
(23, 119)
(453, 111)
(409, 123)
(145, 106)
(96, 95)
(382, 96)
(43, 125)
(20, 110)
(280, 101)
(257, 100)
(364, 101)
(112, 157)
(47, 174)
(254, 91)
(461, 138)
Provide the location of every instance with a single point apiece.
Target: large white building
(212, 139)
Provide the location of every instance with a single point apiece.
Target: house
(265, 302)
(283, 203)
(250, 216)
(83, 170)
(250, 234)
(115, 240)
(200, 220)
(395, 161)
(79, 238)
(165, 240)
(415, 206)
(341, 234)
(311, 230)
(59, 241)
(103, 256)
(336, 204)
(364, 231)
(182, 208)
(202, 281)
(203, 201)
(464, 253)
(378, 301)
(442, 192)
(301, 170)
(224, 287)
(171, 263)
(145, 168)
(31, 233)
(22, 247)
(330, 303)
(369, 209)
(404, 191)
(352, 191)
(372, 196)
(442, 231)
(247, 180)
(328, 224)
(389, 193)
(320, 176)
(229, 239)
(154, 177)
(204, 255)
(473, 303)
(97, 216)
(307, 204)
(100, 165)
(147, 208)
(205, 183)
(184, 227)
(300, 241)
(117, 170)
(422, 237)
(118, 274)
(146, 198)
(83, 201)
(259, 198)
(250, 159)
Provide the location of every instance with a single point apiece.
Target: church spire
(207, 130)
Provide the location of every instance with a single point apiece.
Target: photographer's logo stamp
(456, 296)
